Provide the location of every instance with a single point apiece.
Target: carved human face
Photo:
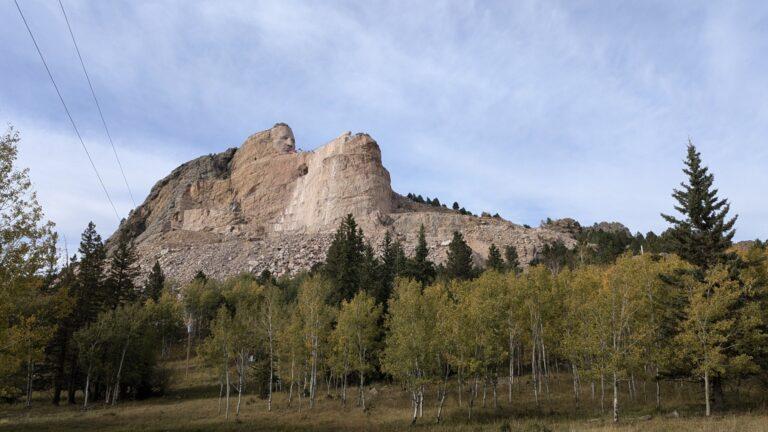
(283, 140)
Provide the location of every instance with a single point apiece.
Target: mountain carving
(266, 205)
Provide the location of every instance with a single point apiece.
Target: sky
(530, 109)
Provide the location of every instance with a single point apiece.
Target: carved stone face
(282, 139)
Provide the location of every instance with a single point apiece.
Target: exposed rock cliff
(266, 206)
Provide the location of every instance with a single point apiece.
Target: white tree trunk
(226, 405)
(706, 392)
(87, 388)
(615, 398)
(116, 392)
(30, 374)
(241, 373)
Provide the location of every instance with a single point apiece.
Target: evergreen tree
(266, 278)
(200, 276)
(494, 259)
(419, 267)
(556, 257)
(370, 272)
(153, 288)
(459, 263)
(90, 294)
(392, 262)
(343, 263)
(512, 261)
(704, 232)
(455, 205)
(122, 272)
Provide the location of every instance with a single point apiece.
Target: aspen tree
(709, 326)
(316, 318)
(354, 337)
(623, 309)
(442, 311)
(406, 355)
(270, 319)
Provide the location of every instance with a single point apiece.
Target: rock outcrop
(266, 206)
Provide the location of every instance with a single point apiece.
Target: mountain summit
(266, 205)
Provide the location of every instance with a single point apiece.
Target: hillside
(266, 205)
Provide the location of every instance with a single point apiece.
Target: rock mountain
(266, 205)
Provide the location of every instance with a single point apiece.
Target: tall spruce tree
(512, 260)
(344, 261)
(392, 261)
(704, 232)
(153, 288)
(122, 272)
(459, 265)
(90, 294)
(494, 261)
(419, 267)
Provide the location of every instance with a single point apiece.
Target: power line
(93, 93)
(74, 126)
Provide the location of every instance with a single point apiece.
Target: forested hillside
(616, 323)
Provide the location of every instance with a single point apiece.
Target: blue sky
(530, 109)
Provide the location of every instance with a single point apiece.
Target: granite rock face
(266, 206)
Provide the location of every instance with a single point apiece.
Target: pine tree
(370, 270)
(200, 276)
(512, 261)
(153, 288)
(343, 262)
(704, 232)
(455, 205)
(392, 262)
(122, 272)
(494, 259)
(90, 294)
(459, 265)
(419, 267)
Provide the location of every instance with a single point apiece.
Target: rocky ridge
(266, 205)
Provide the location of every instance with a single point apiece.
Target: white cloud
(532, 109)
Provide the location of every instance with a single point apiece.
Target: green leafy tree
(28, 316)
(355, 338)
(315, 317)
(709, 326)
(410, 327)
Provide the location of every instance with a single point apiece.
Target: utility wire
(74, 126)
(95, 100)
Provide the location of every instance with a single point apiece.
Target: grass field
(191, 405)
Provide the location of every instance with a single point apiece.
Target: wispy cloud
(531, 109)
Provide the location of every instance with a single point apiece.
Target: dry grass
(191, 405)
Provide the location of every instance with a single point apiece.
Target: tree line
(610, 316)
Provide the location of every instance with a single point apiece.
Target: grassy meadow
(191, 404)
